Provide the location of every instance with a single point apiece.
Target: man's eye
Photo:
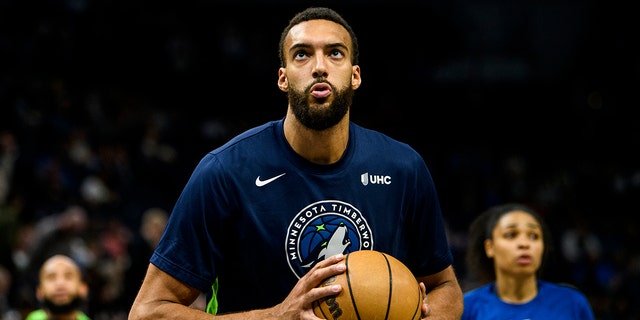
(336, 53)
(300, 54)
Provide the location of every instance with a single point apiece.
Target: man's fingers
(325, 269)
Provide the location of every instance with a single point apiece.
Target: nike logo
(261, 183)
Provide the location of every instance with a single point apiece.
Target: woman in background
(508, 245)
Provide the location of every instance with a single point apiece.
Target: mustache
(307, 90)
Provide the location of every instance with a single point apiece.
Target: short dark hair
(319, 13)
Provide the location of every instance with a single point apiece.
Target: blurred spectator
(152, 225)
(509, 247)
(7, 312)
(582, 250)
(108, 275)
(67, 232)
(61, 290)
(13, 177)
(8, 158)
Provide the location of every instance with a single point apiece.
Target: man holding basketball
(266, 217)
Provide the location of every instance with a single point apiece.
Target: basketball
(375, 286)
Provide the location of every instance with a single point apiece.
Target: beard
(57, 308)
(320, 118)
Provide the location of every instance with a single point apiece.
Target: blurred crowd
(91, 167)
(55, 204)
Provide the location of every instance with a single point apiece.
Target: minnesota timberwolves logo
(323, 229)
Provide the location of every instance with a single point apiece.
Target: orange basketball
(375, 286)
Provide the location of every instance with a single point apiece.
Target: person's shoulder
(40, 314)
(478, 299)
(565, 294)
(561, 289)
(481, 292)
(244, 144)
(37, 315)
(247, 141)
(558, 286)
(379, 139)
(250, 133)
(83, 316)
(369, 132)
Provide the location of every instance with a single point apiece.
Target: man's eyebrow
(299, 45)
(337, 45)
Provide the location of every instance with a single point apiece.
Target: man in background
(61, 291)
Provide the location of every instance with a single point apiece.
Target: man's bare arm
(444, 295)
(163, 297)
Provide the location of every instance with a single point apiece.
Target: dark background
(530, 101)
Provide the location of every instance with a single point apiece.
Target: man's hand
(299, 303)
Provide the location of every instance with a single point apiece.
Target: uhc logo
(367, 178)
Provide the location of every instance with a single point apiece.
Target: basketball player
(266, 217)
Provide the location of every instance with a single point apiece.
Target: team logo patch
(323, 229)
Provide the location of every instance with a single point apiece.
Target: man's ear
(283, 83)
(39, 294)
(356, 80)
(83, 290)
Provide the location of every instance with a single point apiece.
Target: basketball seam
(353, 300)
(321, 310)
(386, 316)
(419, 305)
(351, 285)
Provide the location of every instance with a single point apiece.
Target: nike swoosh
(261, 183)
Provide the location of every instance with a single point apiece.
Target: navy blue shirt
(257, 216)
